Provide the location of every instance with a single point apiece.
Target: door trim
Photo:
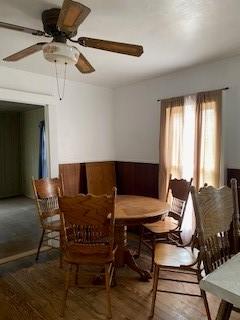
(49, 104)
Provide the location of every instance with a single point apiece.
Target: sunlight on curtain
(192, 140)
(188, 224)
(188, 137)
(176, 138)
(180, 139)
(208, 145)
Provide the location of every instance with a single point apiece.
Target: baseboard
(22, 255)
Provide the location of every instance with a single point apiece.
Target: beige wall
(30, 147)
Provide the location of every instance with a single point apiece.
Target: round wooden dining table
(134, 210)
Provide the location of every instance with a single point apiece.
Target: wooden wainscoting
(98, 177)
(101, 177)
(234, 173)
(137, 178)
(72, 174)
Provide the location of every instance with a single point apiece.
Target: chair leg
(40, 244)
(140, 240)
(155, 286)
(153, 251)
(76, 274)
(60, 249)
(67, 282)
(60, 261)
(107, 284)
(114, 277)
(204, 296)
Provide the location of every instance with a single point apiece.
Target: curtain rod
(223, 89)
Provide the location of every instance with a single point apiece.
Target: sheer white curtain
(188, 225)
(192, 138)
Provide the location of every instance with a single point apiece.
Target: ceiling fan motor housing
(50, 19)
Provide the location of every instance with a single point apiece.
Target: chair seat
(89, 254)
(162, 226)
(168, 255)
(54, 225)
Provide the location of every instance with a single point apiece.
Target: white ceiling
(174, 33)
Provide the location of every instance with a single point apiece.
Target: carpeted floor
(19, 226)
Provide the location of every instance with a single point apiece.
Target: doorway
(19, 160)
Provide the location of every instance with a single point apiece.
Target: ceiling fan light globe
(61, 53)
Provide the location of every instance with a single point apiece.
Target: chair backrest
(217, 217)
(46, 193)
(88, 219)
(179, 190)
(71, 175)
(101, 177)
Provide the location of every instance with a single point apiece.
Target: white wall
(137, 113)
(83, 119)
(92, 124)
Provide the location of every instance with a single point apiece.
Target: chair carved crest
(88, 220)
(216, 214)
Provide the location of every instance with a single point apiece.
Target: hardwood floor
(30, 291)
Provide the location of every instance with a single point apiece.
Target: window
(190, 139)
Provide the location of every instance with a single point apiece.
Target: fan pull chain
(64, 80)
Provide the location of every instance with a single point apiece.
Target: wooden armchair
(88, 236)
(217, 215)
(169, 229)
(46, 195)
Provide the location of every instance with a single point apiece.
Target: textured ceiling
(174, 33)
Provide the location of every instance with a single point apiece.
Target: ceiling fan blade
(71, 16)
(22, 29)
(25, 52)
(83, 65)
(124, 48)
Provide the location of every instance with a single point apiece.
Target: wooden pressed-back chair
(46, 193)
(88, 236)
(219, 207)
(169, 229)
(217, 214)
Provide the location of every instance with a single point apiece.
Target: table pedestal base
(124, 255)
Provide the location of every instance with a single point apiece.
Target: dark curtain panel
(43, 168)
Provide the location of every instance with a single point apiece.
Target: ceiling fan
(61, 25)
